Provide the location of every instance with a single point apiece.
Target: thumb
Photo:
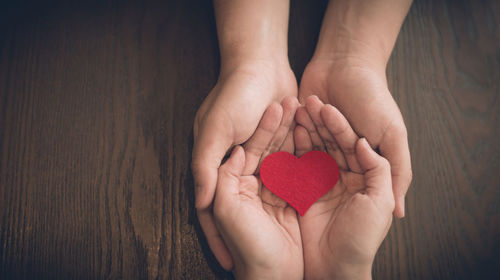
(377, 173)
(208, 151)
(229, 175)
(394, 147)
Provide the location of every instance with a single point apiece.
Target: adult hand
(260, 229)
(360, 92)
(229, 116)
(254, 73)
(348, 71)
(343, 230)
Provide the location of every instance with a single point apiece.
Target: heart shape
(299, 181)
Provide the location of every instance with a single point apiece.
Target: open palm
(260, 230)
(361, 94)
(229, 116)
(342, 231)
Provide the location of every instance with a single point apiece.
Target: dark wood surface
(97, 102)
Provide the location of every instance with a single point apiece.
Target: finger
(394, 147)
(314, 106)
(303, 143)
(208, 151)
(344, 135)
(377, 173)
(288, 145)
(226, 193)
(287, 124)
(214, 239)
(302, 117)
(229, 176)
(259, 142)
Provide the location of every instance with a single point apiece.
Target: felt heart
(299, 181)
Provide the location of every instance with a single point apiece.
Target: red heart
(299, 181)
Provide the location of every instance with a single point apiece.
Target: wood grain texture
(97, 102)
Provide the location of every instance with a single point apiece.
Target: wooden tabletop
(97, 102)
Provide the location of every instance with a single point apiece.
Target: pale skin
(339, 235)
(343, 230)
(254, 74)
(260, 229)
(347, 70)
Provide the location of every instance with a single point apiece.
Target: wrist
(349, 53)
(346, 37)
(349, 70)
(254, 64)
(338, 64)
(252, 30)
(274, 75)
(361, 30)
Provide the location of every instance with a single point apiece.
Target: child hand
(227, 117)
(343, 230)
(260, 230)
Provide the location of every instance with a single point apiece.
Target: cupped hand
(261, 230)
(359, 90)
(343, 230)
(227, 117)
